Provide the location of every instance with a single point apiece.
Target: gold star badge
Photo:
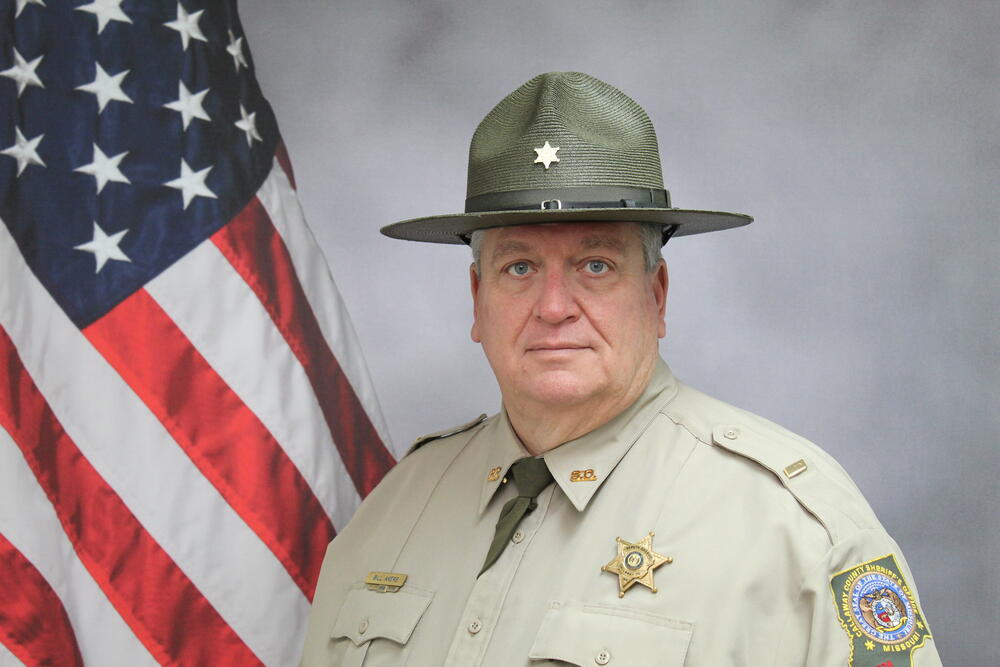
(635, 563)
(546, 154)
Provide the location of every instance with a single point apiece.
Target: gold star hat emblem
(546, 155)
(635, 563)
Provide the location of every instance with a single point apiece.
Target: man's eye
(596, 266)
(519, 269)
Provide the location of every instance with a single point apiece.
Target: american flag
(185, 417)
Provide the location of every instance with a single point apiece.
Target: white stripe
(282, 205)
(29, 522)
(136, 456)
(237, 337)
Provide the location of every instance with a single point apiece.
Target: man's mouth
(557, 347)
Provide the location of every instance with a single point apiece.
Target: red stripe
(281, 154)
(33, 622)
(160, 604)
(257, 252)
(220, 434)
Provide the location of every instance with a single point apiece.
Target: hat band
(565, 198)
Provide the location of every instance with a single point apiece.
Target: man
(608, 514)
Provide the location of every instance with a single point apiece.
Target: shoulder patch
(879, 612)
(446, 433)
(818, 484)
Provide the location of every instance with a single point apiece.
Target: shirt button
(731, 433)
(517, 537)
(603, 658)
(363, 627)
(475, 626)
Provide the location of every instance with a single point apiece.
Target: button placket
(486, 599)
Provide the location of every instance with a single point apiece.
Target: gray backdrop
(860, 309)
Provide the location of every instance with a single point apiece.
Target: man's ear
(474, 285)
(661, 281)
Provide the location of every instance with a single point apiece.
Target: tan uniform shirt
(765, 532)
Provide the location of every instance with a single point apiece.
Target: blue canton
(133, 130)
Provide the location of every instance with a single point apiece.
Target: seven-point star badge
(546, 154)
(635, 563)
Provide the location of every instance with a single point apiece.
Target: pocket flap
(366, 615)
(585, 634)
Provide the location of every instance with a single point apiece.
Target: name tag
(385, 582)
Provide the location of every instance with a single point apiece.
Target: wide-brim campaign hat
(564, 147)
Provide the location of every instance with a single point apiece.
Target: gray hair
(650, 234)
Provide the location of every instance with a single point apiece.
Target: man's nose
(556, 300)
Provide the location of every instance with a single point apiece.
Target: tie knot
(530, 476)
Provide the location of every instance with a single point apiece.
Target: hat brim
(452, 228)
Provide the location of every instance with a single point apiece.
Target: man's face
(567, 313)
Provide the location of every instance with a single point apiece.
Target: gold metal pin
(635, 563)
(385, 582)
(796, 468)
(587, 475)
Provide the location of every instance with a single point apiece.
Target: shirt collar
(505, 448)
(580, 466)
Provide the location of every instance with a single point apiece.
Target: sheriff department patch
(879, 613)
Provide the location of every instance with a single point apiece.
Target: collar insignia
(635, 563)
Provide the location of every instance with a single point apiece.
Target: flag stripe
(281, 155)
(233, 327)
(223, 438)
(133, 452)
(164, 609)
(30, 522)
(254, 248)
(285, 211)
(33, 622)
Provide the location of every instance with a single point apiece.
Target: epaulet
(816, 481)
(446, 433)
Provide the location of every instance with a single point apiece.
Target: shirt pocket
(594, 634)
(366, 616)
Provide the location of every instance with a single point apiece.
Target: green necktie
(530, 476)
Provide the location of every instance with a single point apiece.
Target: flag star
(248, 124)
(21, 4)
(24, 150)
(105, 10)
(106, 88)
(23, 72)
(104, 247)
(235, 49)
(546, 154)
(187, 25)
(188, 105)
(191, 183)
(104, 168)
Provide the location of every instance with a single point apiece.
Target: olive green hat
(564, 147)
